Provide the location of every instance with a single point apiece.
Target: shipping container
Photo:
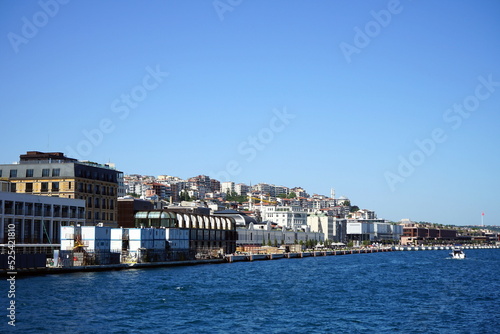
(141, 233)
(116, 246)
(67, 232)
(116, 234)
(96, 233)
(159, 234)
(99, 245)
(159, 244)
(67, 244)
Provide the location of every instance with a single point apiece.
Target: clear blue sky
(357, 87)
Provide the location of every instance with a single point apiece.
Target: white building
(227, 187)
(287, 216)
(241, 189)
(264, 234)
(333, 228)
(37, 219)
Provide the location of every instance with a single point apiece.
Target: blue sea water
(395, 292)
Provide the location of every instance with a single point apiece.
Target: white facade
(37, 219)
(287, 216)
(375, 230)
(259, 235)
(333, 228)
(227, 187)
(241, 189)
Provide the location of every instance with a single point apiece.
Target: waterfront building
(53, 174)
(127, 208)
(266, 233)
(208, 234)
(37, 219)
(240, 218)
(333, 228)
(287, 216)
(418, 234)
(373, 230)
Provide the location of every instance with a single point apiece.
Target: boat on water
(457, 253)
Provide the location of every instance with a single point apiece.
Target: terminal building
(36, 220)
(208, 234)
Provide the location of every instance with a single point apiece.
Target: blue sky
(395, 104)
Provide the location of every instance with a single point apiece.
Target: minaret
(332, 193)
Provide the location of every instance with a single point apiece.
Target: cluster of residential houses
(45, 191)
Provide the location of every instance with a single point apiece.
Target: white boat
(457, 253)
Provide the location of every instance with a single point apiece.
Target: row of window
(42, 210)
(101, 203)
(96, 189)
(33, 231)
(95, 175)
(46, 172)
(56, 172)
(44, 187)
(100, 216)
(55, 187)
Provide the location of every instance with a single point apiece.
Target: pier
(230, 258)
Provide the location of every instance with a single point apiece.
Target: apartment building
(53, 174)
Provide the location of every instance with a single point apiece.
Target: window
(45, 172)
(13, 173)
(29, 172)
(0, 173)
(56, 172)
(13, 187)
(45, 187)
(55, 186)
(69, 185)
(28, 187)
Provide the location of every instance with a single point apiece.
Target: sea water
(393, 292)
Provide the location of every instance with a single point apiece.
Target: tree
(354, 208)
(184, 196)
(292, 195)
(275, 243)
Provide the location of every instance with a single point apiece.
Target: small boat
(457, 253)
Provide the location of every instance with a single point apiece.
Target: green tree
(292, 195)
(275, 243)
